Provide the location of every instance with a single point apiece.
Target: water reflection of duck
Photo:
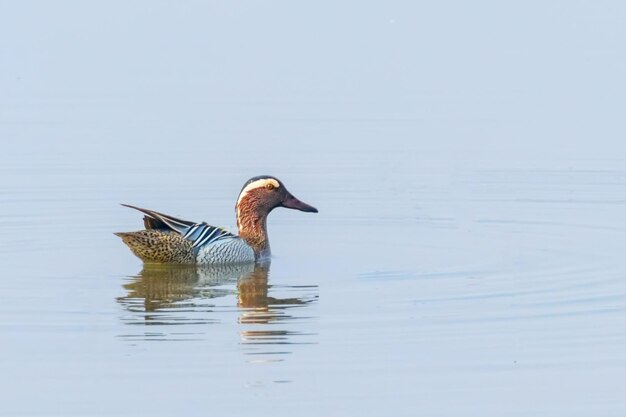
(163, 286)
(160, 287)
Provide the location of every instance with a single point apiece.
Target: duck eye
(270, 186)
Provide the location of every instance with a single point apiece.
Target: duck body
(160, 246)
(167, 239)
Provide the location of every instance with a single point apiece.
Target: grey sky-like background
(532, 77)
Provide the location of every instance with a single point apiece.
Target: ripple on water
(548, 287)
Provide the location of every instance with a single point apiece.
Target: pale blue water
(467, 162)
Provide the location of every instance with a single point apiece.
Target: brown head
(258, 197)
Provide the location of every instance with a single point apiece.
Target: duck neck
(252, 225)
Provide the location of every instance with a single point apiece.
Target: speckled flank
(227, 250)
(156, 246)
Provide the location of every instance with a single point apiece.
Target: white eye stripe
(257, 184)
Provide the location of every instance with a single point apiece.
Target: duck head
(258, 197)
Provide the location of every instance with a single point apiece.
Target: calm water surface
(467, 259)
(492, 290)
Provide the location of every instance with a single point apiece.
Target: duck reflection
(195, 294)
(259, 308)
(158, 286)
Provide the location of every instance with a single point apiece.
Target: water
(467, 258)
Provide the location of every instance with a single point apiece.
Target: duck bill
(293, 203)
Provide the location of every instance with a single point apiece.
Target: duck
(170, 240)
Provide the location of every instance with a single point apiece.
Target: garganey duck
(168, 239)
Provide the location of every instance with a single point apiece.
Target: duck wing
(198, 233)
